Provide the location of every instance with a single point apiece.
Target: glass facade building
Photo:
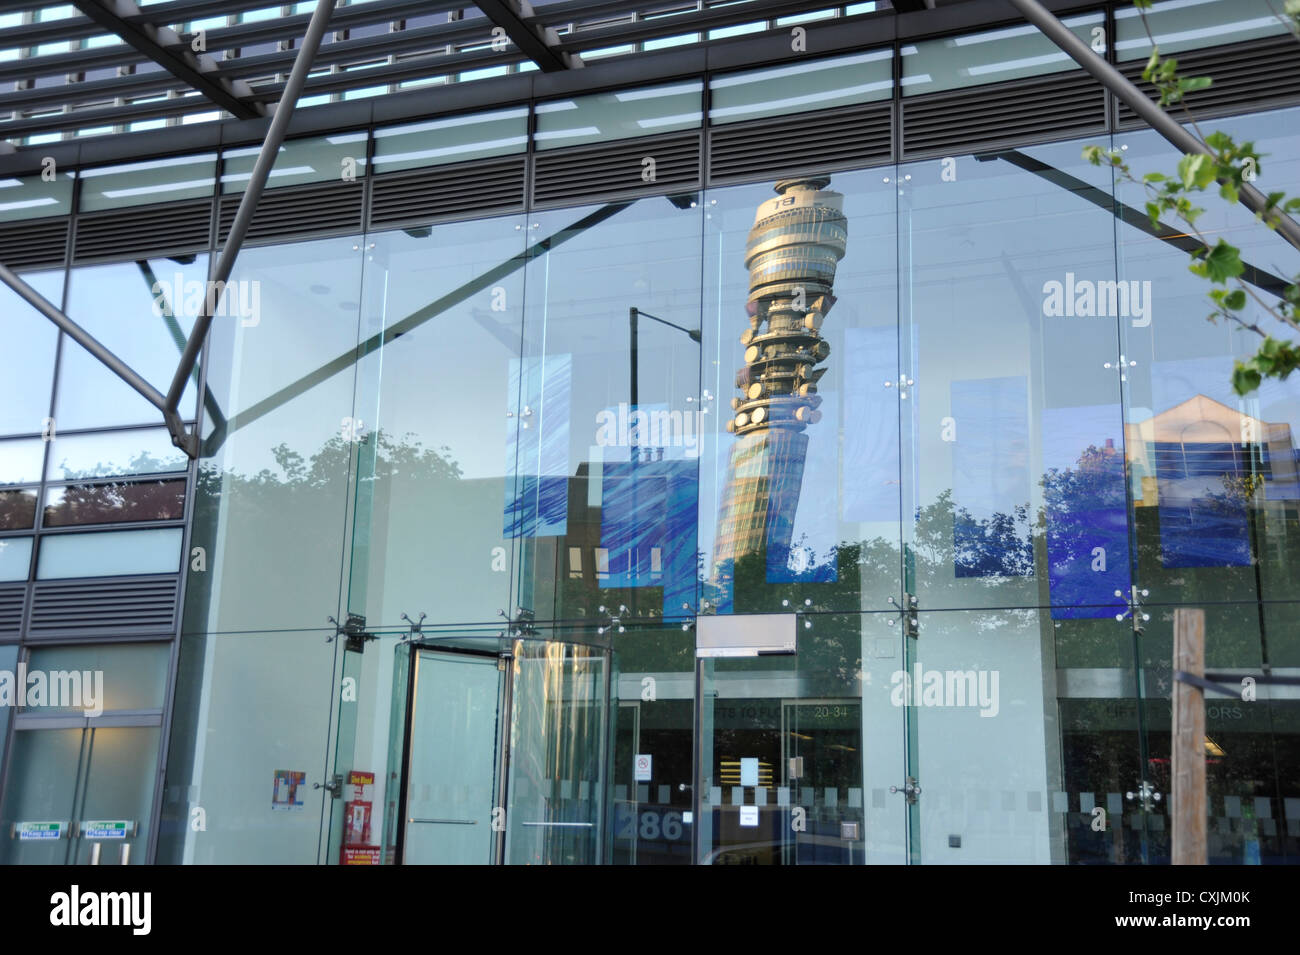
(524, 427)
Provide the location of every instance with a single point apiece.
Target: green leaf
(1245, 379)
(1187, 84)
(1222, 263)
(1235, 300)
(1196, 171)
(1155, 177)
(1228, 191)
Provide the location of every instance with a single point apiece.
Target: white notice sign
(643, 764)
(749, 816)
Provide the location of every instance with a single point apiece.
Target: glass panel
(1015, 470)
(30, 344)
(558, 755)
(8, 663)
(42, 786)
(157, 180)
(15, 558)
(653, 798)
(298, 161)
(454, 139)
(619, 115)
(110, 553)
(142, 311)
(21, 461)
(119, 783)
(1251, 740)
(35, 197)
(17, 509)
(799, 502)
(1025, 726)
(114, 503)
(111, 453)
(788, 776)
(1214, 475)
(1180, 25)
(251, 776)
(958, 62)
(607, 449)
(134, 674)
(271, 497)
(451, 783)
(820, 84)
(443, 314)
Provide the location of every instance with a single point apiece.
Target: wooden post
(1188, 796)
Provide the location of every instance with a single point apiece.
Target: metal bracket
(417, 628)
(909, 789)
(355, 630)
(910, 615)
(521, 625)
(1146, 794)
(1134, 607)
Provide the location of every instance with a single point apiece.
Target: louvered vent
(587, 173)
(34, 243)
(782, 146)
(458, 191)
(1260, 73)
(11, 609)
(127, 606)
(1041, 107)
(141, 231)
(329, 208)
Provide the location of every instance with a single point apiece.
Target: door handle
(447, 822)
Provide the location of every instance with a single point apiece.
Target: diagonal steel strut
(189, 443)
(82, 337)
(170, 404)
(1131, 96)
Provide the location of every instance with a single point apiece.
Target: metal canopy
(113, 66)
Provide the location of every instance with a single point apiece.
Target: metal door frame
(500, 757)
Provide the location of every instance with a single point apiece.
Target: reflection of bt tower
(794, 246)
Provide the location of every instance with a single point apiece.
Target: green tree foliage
(1230, 165)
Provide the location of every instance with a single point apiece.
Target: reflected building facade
(436, 588)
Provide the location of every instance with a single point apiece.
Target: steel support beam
(82, 337)
(162, 45)
(539, 43)
(189, 443)
(1136, 100)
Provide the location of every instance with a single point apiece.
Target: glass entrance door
(451, 769)
(500, 753)
(83, 792)
(781, 771)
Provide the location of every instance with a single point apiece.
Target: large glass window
(30, 344)
(280, 439)
(454, 139)
(959, 62)
(155, 180)
(607, 395)
(443, 339)
(619, 115)
(143, 312)
(1213, 475)
(822, 84)
(799, 471)
(110, 553)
